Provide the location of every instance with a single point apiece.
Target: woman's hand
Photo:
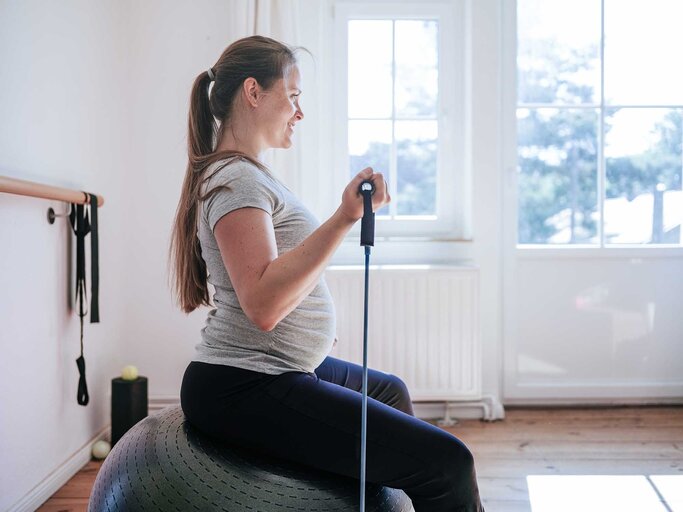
(352, 200)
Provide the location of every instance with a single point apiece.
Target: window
(599, 122)
(398, 110)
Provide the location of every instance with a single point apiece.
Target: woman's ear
(251, 91)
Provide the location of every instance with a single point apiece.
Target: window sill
(570, 252)
(409, 239)
(407, 250)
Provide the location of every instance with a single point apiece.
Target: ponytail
(190, 274)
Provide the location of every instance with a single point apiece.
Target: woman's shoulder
(231, 170)
(232, 165)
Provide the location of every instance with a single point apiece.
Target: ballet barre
(30, 188)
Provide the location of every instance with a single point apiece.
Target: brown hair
(262, 58)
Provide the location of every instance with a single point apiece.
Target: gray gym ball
(165, 464)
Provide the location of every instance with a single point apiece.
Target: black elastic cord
(81, 227)
(364, 405)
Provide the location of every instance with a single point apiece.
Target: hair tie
(211, 75)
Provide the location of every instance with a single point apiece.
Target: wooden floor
(535, 450)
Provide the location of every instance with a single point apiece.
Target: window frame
(510, 105)
(453, 183)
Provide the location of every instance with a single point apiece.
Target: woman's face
(281, 110)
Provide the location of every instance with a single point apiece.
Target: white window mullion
(601, 132)
(393, 165)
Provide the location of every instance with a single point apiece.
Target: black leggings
(315, 419)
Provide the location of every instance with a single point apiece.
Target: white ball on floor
(129, 372)
(100, 449)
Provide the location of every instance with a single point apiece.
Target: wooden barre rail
(30, 188)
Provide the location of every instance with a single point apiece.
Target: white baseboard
(161, 402)
(591, 402)
(60, 476)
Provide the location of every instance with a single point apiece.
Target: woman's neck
(241, 138)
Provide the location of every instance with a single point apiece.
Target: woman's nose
(299, 114)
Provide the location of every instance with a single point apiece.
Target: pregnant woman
(261, 376)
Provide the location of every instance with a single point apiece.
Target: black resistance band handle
(367, 227)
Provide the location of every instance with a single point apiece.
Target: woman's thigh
(302, 417)
(385, 387)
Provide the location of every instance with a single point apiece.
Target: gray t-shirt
(301, 340)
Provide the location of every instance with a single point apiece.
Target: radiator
(423, 326)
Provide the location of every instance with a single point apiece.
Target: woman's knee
(451, 474)
(458, 464)
(462, 457)
(401, 394)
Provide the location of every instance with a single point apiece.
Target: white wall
(586, 329)
(63, 112)
(93, 96)
(172, 43)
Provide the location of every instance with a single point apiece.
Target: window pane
(416, 68)
(558, 51)
(416, 167)
(557, 180)
(370, 146)
(644, 202)
(370, 68)
(643, 42)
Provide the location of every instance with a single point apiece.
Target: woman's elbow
(264, 320)
(265, 324)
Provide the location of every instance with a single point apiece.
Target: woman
(261, 376)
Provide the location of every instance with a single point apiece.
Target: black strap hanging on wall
(94, 264)
(81, 227)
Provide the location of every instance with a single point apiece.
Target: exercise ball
(164, 463)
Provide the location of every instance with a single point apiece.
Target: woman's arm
(269, 287)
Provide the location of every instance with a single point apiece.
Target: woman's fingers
(352, 203)
(382, 198)
(365, 174)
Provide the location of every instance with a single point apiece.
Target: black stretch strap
(94, 263)
(81, 227)
(82, 395)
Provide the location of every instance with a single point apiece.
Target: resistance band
(367, 239)
(81, 226)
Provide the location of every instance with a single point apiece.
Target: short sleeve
(249, 187)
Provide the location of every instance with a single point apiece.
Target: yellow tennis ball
(129, 373)
(100, 449)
